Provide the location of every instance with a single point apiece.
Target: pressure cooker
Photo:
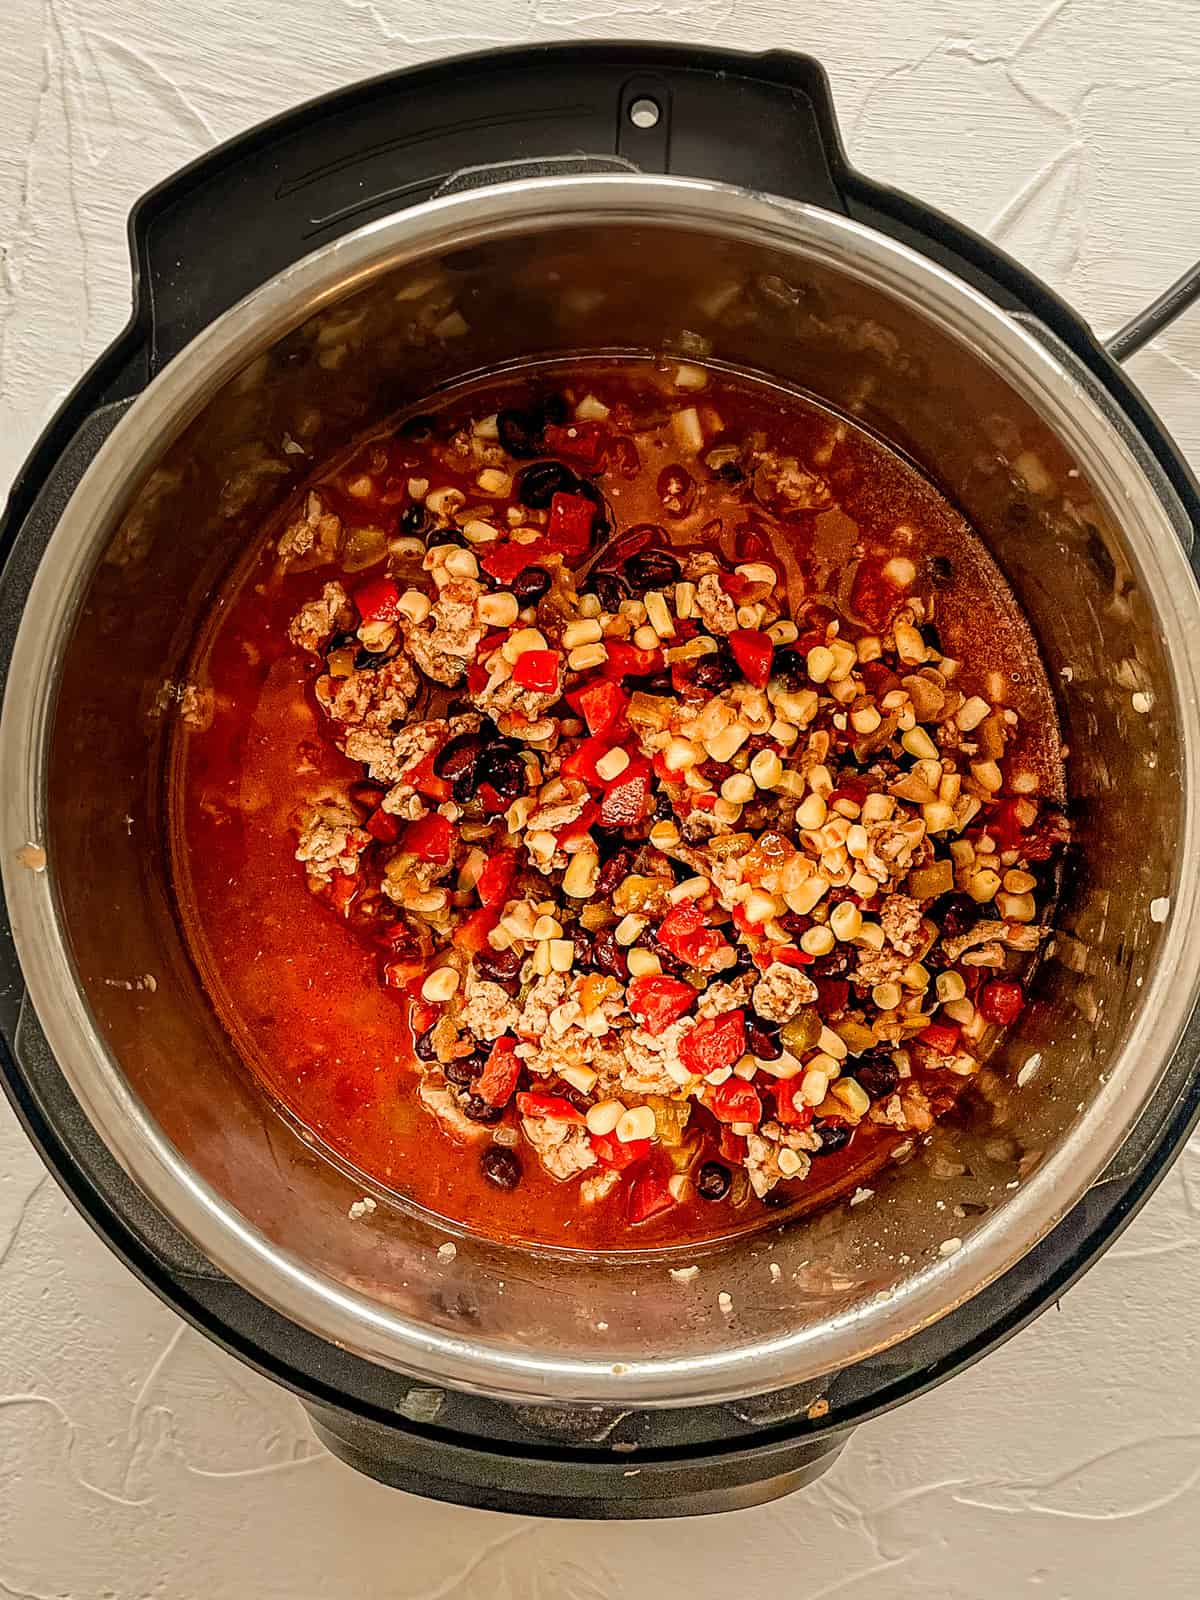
(553, 201)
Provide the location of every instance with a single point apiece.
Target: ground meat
(551, 818)
(374, 697)
(433, 661)
(717, 610)
(406, 751)
(437, 1097)
(652, 1064)
(762, 1156)
(878, 966)
(563, 1148)
(316, 622)
(598, 1186)
(508, 698)
(782, 485)
(330, 842)
(901, 917)
(452, 620)
(1016, 935)
(782, 991)
(891, 846)
(546, 994)
(720, 997)
(488, 1011)
(313, 538)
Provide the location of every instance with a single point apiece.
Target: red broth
(299, 990)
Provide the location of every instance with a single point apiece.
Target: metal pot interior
(378, 321)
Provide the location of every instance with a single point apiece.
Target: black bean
(501, 1166)
(537, 485)
(462, 1072)
(712, 1181)
(618, 866)
(499, 966)
(676, 490)
(652, 569)
(476, 1109)
(790, 667)
(940, 571)
(458, 755)
(608, 955)
(930, 636)
(520, 432)
(530, 585)
(341, 641)
(833, 1136)
(714, 673)
(835, 964)
(955, 914)
(664, 811)
(877, 1074)
(761, 1044)
(414, 521)
(609, 589)
(368, 660)
(424, 1045)
(554, 410)
(652, 683)
(502, 767)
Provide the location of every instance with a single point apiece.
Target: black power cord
(1130, 339)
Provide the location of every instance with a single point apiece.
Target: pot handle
(1127, 341)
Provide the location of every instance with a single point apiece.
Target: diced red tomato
(570, 528)
(376, 600)
(852, 789)
(610, 1152)
(342, 891)
(648, 1195)
(753, 652)
(942, 1037)
(713, 1043)
(382, 825)
(581, 762)
(495, 880)
(685, 932)
(791, 956)
(789, 1108)
(586, 820)
(477, 678)
(505, 561)
(537, 670)
(429, 838)
(732, 1146)
(735, 1100)
(657, 1001)
(743, 922)
(498, 1079)
(426, 781)
(581, 442)
(1001, 1001)
(629, 797)
(471, 936)
(602, 705)
(536, 1103)
(627, 661)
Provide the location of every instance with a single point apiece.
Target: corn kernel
(910, 646)
(1016, 907)
(871, 934)
(833, 1044)
(811, 813)
(725, 745)
(461, 564)
(603, 1117)
(562, 955)
(982, 885)
(680, 754)
(414, 605)
(865, 720)
(612, 764)
(803, 899)
(846, 921)
(658, 614)
(820, 663)
(585, 631)
(766, 769)
(685, 599)
(586, 656)
(950, 986)
(498, 610)
(817, 940)
(971, 713)
(738, 788)
(645, 637)
(441, 985)
(547, 928)
(918, 743)
(479, 532)
(579, 880)
(643, 963)
(814, 1086)
(887, 996)
(852, 1095)
(664, 835)
(629, 929)
(1019, 882)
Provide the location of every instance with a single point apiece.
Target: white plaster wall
(136, 1461)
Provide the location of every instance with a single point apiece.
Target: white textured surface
(134, 1459)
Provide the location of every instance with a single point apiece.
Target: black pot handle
(1171, 303)
(244, 212)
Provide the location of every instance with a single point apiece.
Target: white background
(135, 1460)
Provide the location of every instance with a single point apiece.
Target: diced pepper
(732, 1146)
(505, 561)
(1001, 1001)
(477, 678)
(627, 661)
(594, 991)
(342, 891)
(423, 1015)
(581, 762)
(581, 442)
(536, 1103)
(789, 1108)
(872, 598)
(791, 956)
(753, 652)
(471, 936)
(498, 1079)
(657, 1001)
(429, 838)
(376, 600)
(537, 670)
(382, 825)
(942, 1037)
(570, 528)
(629, 798)
(586, 820)
(743, 922)
(735, 1100)
(713, 1043)
(492, 801)
(648, 1196)
(495, 880)
(602, 704)
(686, 934)
(610, 1152)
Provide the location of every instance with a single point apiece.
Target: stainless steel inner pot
(1002, 418)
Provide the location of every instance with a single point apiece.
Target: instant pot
(312, 277)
